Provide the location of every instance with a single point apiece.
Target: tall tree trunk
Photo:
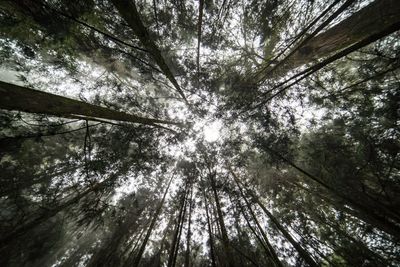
(224, 233)
(220, 254)
(242, 253)
(269, 258)
(199, 23)
(377, 259)
(187, 255)
(236, 215)
(46, 16)
(372, 19)
(108, 254)
(139, 255)
(180, 232)
(49, 213)
(176, 236)
(128, 11)
(133, 244)
(165, 235)
(377, 217)
(302, 252)
(210, 234)
(14, 97)
(271, 250)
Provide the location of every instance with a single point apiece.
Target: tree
(24, 99)
(310, 261)
(349, 31)
(129, 12)
(199, 133)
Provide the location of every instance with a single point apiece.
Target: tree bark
(188, 235)
(271, 252)
(377, 259)
(14, 97)
(269, 258)
(242, 253)
(302, 252)
(49, 213)
(139, 255)
(128, 11)
(180, 233)
(108, 254)
(378, 217)
(372, 19)
(212, 253)
(176, 237)
(224, 233)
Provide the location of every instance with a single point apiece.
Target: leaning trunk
(176, 236)
(372, 19)
(271, 250)
(302, 252)
(212, 254)
(379, 217)
(23, 229)
(14, 97)
(139, 255)
(128, 11)
(187, 255)
(224, 233)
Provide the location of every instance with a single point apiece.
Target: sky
(211, 131)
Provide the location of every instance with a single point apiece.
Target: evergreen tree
(199, 133)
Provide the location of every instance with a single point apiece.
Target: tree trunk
(108, 254)
(377, 217)
(128, 11)
(372, 19)
(212, 253)
(14, 97)
(176, 237)
(165, 235)
(187, 255)
(224, 233)
(269, 258)
(302, 252)
(180, 233)
(236, 216)
(139, 255)
(377, 259)
(243, 254)
(49, 213)
(271, 250)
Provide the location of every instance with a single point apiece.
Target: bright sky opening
(212, 130)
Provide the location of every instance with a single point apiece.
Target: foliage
(301, 167)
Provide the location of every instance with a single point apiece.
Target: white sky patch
(10, 76)
(212, 130)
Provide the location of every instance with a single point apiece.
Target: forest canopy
(199, 133)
